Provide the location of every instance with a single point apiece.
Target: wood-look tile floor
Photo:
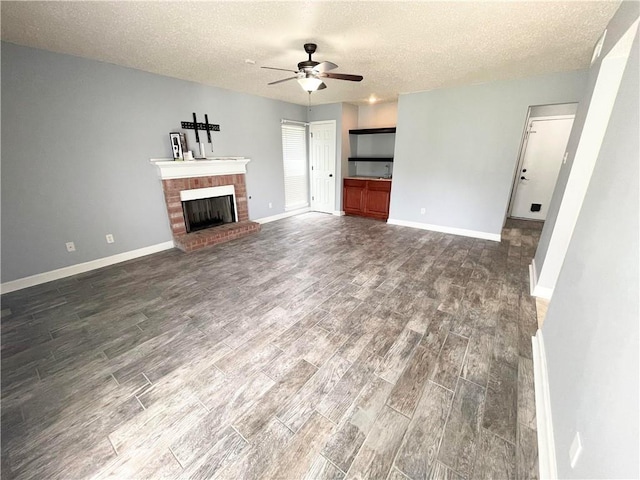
(322, 347)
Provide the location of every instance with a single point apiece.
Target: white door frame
(335, 158)
(523, 150)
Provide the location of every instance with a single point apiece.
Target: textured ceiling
(397, 46)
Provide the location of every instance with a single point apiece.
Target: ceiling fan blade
(325, 67)
(342, 76)
(280, 69)
(283, 80)
(322, 86)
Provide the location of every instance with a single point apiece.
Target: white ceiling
(397, 46)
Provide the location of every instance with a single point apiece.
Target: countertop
(368, 178)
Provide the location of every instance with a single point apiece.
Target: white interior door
(536, 180)
(322, 157)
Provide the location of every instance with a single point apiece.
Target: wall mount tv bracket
(206, 126)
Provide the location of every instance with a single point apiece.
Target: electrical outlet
(71, 247)
(575, 450)
(423, 211)
(270, 205)
(110, 238)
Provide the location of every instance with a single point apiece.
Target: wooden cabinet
(354, 195)
(367, 198)
(378, 195)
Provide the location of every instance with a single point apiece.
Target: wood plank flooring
(320, 348)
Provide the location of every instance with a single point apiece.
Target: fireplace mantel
(171, 169)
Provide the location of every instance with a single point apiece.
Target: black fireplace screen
(208, 212)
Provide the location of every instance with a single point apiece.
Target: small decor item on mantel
(183, 142)
(176, 145)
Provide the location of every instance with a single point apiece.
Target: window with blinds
(296, 170)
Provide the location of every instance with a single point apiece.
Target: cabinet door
(353, 198)
(377, 201)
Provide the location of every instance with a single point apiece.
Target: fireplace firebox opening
(208, 212)
(208, 207)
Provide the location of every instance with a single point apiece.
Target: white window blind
(296, 173)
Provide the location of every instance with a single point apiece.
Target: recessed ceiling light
(250, 62)
(372, 99)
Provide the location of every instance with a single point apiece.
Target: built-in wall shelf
(372, 131)
(371, 159)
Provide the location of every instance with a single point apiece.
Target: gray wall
(620, 23)
(76, 142)
(456, 149)
(553, 110)
(378, 115)
(591, 328)
(380, 145)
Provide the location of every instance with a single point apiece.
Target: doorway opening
(542, 152)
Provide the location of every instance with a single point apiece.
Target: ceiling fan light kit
(309, 83)
(310, 73)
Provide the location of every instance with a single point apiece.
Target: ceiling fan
(311, 73)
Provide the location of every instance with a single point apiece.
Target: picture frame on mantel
(176, 146)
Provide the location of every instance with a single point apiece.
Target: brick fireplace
(199, 179)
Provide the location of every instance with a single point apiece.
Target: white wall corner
(546, 443)
(496, 237)
(71, 270)
(535, 289)
(280, 216)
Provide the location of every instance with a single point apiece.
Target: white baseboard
(534, 289)
(546, 443)
(280, 216)
(338, 213)
(64, 272)
(439, 228)
(533, 278)
(542, 292)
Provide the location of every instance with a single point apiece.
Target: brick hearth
(188, 242)
(213, 236)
